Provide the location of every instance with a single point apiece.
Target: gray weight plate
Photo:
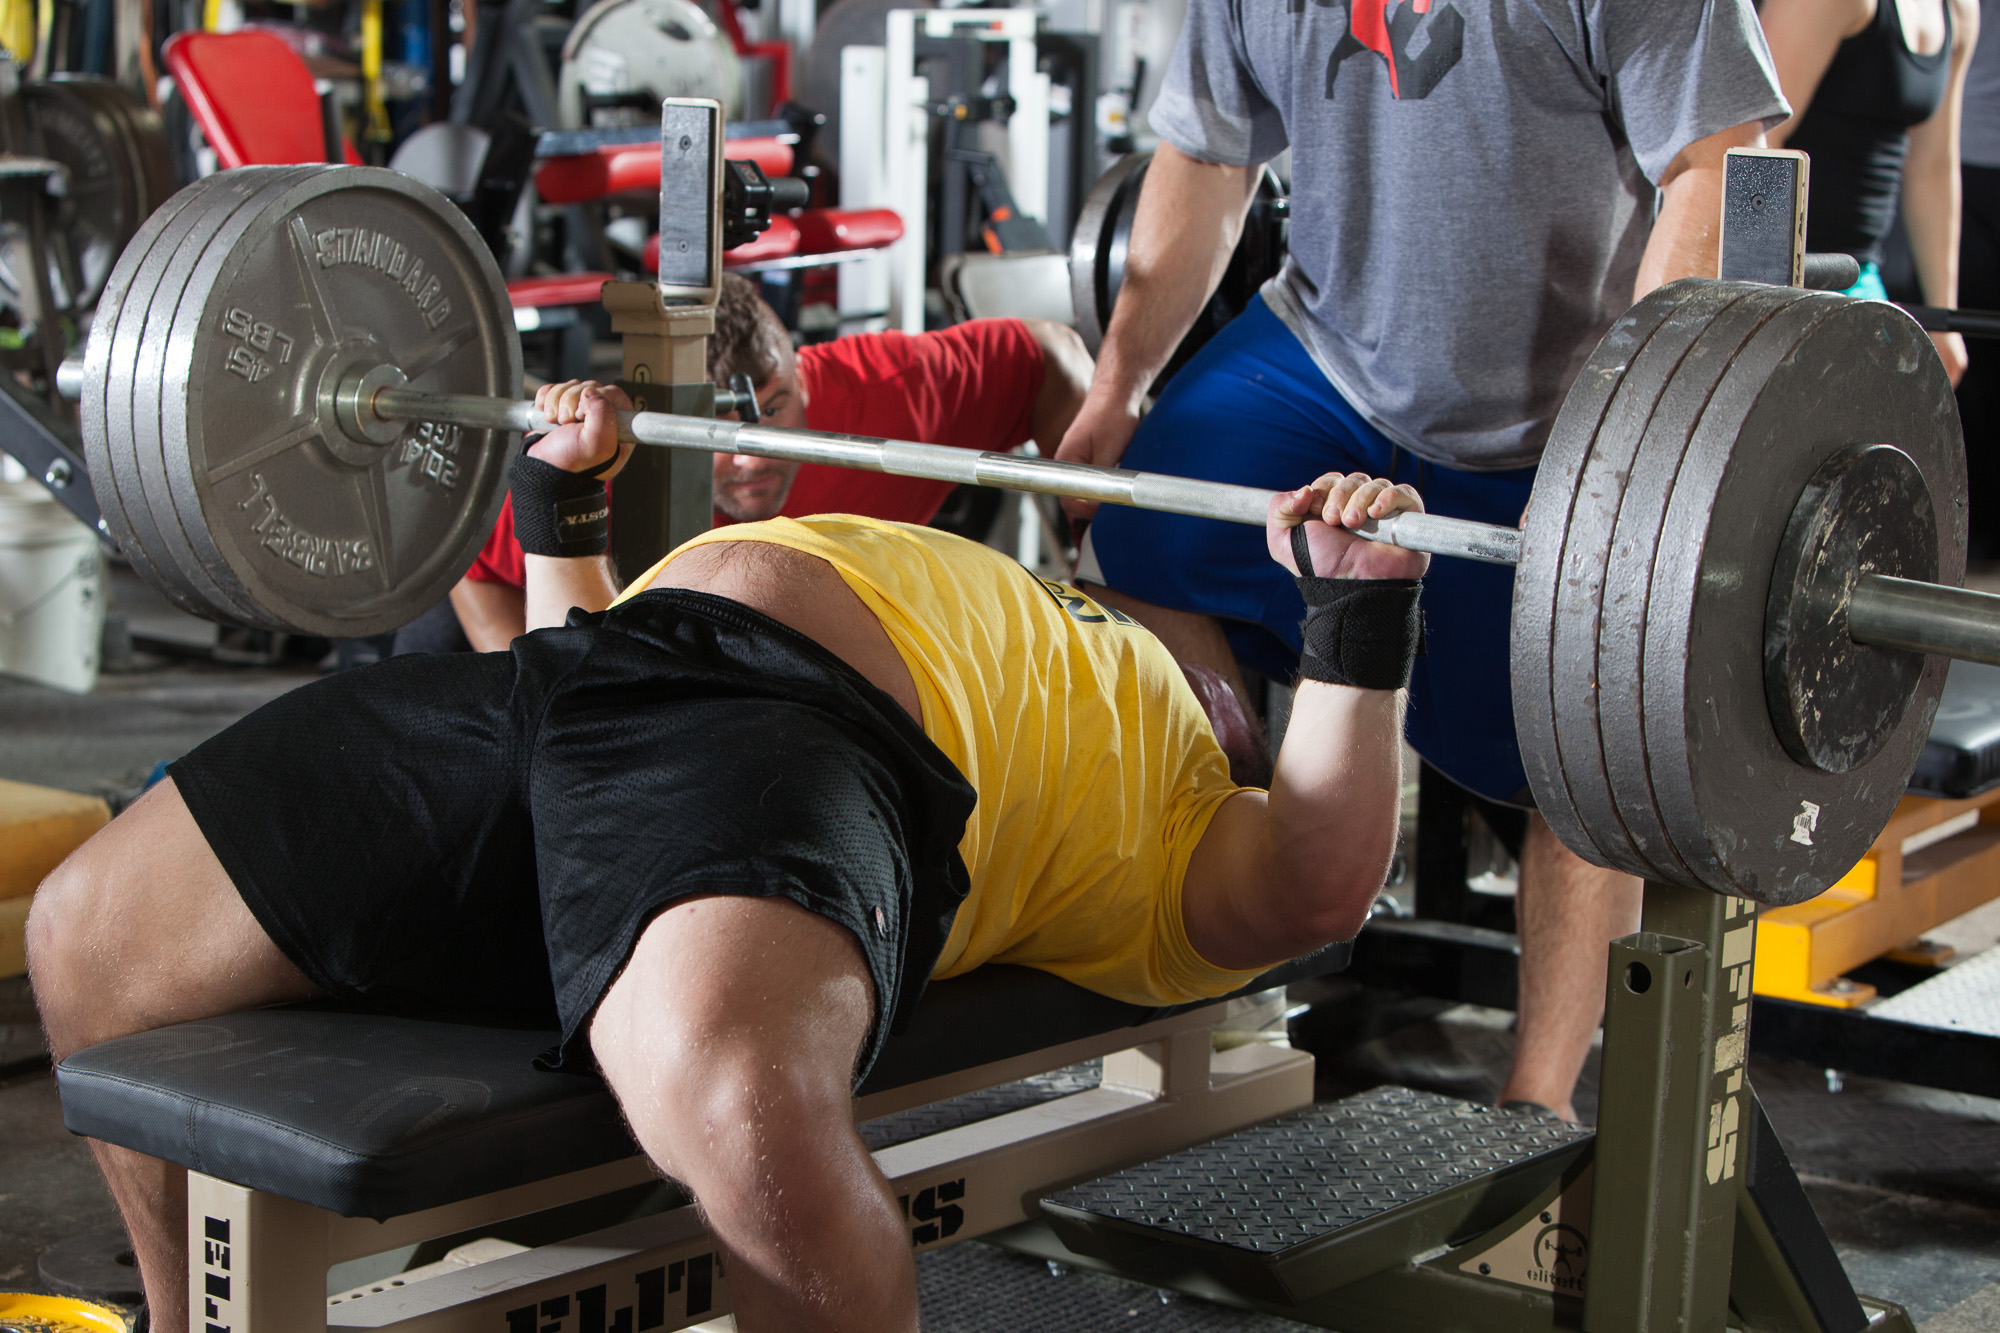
(348, 269)
(106, 405)
(122, 331)
(140, 356)
(1746, 817)
(182, 530)
(1536, 576)
(140, 349)
(1092, 290)
(1628, 573)
(1574, 672)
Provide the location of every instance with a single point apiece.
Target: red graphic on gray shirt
(1391, 30)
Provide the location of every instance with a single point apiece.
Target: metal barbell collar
(1886, 612)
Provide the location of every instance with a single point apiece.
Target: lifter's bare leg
(1569, 912)
(140, 928)
(730, 1039)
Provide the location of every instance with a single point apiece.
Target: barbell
(1733, 584)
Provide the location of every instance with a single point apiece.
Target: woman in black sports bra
(1875, 88)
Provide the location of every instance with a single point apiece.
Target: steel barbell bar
(1886, 612)
(1882, 611)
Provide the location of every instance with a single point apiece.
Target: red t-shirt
(971, 386)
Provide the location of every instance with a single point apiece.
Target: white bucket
(52, 591)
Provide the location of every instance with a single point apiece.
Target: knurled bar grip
(1014, 472)
(1886, 612)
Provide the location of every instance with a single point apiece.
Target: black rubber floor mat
(1939, 1145)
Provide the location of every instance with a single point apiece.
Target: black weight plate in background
(1092, 291)
(1532, 621)
(1627, 584)
(345, 270)
(1573, 647)
(140, 127)
(219, 199)
(1747, 818)
(100, 450)
(103, 201)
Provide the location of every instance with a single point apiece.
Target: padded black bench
(1962, 757)
(292, 1119)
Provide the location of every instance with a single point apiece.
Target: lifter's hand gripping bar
(904, 458)
(1890, 613)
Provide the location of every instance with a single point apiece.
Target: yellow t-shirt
(1096, 770)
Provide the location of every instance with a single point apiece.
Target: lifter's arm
(1278, 876)
(1686, 241)
(1190, 215)
(492, 615)
(586, 434)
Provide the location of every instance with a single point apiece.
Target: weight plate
(102, 205)
(109, 476)
(139, 126)
(58, 1314)
(183, 529)
(1628, 573)
(1574, 672)
(639, 52)
(1746, 817)
(1834, 702)
(140, 352)
(348, 269)
(1539, 570)
(1091, 268)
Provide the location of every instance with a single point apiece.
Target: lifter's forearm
(1190, 216)
(557, 583)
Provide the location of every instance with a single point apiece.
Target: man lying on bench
(726, 829)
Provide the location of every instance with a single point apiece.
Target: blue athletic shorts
(1252, 408)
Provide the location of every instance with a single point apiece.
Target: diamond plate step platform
(1964, 998)
(1297, 1206)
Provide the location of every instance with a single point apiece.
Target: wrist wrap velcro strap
(558, 513)
(1361, 632)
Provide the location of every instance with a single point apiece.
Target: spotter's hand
(583, 414)
(1329, 508)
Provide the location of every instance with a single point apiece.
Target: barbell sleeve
(1431, 533)
(1925, 618)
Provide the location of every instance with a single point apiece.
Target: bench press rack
(314, 1136)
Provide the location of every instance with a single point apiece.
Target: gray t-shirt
(1468, 209)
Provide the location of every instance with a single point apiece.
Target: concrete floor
(1907, 1181)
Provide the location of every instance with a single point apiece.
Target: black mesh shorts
(485, 835)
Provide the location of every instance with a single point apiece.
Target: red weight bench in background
(816, 236)
(252, 96)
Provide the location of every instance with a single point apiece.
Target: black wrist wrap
(1361, 632)
(559, 513)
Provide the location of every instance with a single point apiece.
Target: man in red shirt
(985, 384)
